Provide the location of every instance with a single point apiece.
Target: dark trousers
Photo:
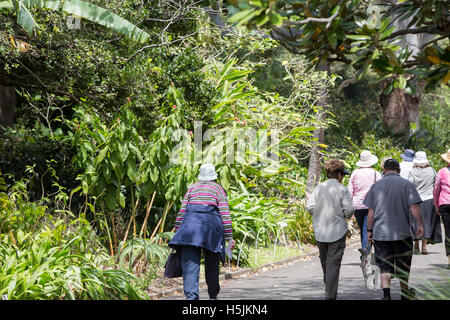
(361, 218)
(330, 257)
(444, 211)
(190, 264)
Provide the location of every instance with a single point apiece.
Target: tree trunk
(315, 165)
(7, 106)
(399, 110)
(215, 13)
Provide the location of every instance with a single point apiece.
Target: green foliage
(78, 8)
(24, 148)
(146, 251)
(102, 153)
(41, 271)
(356, 33)
(259, 218)
(433, 132)
(45, 256)
(3, 195)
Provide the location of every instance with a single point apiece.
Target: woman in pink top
(359, 184)
(441, 197)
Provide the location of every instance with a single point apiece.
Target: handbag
(173, 265)
(370, 270)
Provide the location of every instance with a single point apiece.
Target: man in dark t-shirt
(388, 226)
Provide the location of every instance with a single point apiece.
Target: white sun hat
(366, 159)
(446, 156)
(207, 172)
(420, 157)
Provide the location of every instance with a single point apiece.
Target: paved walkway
(303, 280)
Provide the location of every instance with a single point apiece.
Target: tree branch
(328, 20)
(429, 29)
(156, 45)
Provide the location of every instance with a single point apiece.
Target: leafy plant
(83, 9)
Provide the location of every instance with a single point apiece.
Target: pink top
(360, 182)
(441, 191)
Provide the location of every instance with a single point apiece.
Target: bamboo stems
(163, 219)
(114, 230)
(166, 210)
(149, 207)
(131, 219)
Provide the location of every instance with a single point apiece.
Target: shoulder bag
(371, 271)
(173, 265)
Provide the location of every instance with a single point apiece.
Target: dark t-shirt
(390, 198)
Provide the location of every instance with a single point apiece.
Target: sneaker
(386, 298)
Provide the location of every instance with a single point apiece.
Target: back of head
(391, 165)
(333, 167)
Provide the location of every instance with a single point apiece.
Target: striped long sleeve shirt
(208, 193)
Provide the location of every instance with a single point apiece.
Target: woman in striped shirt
(203, 223)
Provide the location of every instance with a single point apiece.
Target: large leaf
(105, 18)
(25, 19)
(6, 4)
(47, 4)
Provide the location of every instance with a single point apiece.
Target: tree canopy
(362, 34)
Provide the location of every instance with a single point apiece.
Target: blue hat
(408, 155)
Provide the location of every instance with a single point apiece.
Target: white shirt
(330, 205)
(405, 167)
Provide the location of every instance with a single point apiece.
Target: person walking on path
(407, 163)
(441, 196)
(203, 224)
(359, 184)
(389, 226)
(422, 177)
(330, 205)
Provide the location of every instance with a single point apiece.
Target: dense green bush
(53, 255)
(49, 157)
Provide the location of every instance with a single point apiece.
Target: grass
(257, 257)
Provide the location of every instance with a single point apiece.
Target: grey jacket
(330, 205)
(423, 180)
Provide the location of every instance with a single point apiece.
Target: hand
(232, 243)
(436, 209)
(369, 236)
(420, 231)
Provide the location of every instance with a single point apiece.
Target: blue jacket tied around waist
(201, 227)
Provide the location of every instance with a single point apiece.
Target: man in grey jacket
(331, 205)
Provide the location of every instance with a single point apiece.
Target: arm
(417, 214)
(179, 218)
(310, 205)
(347, 204)
(225, 215)
(411, 177)
(350, 185)
(436, 192)
(370, 225)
